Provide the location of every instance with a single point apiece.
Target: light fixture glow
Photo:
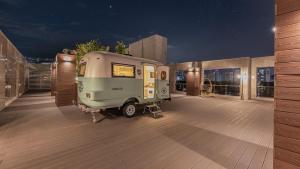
(191, 69)
(274, 29)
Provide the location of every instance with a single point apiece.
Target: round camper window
(163, 75)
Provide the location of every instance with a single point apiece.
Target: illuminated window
(121, 70)
(149, 82)
(82, 68)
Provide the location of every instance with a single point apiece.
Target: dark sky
(196, 29)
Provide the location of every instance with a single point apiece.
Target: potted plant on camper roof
(84, 48)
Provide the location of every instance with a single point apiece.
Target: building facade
(153, 47)
(246, 77)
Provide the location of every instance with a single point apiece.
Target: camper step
(153, 109)
(155, 113)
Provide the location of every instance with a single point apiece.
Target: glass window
(224, 81)
(265, 82)
(121, 70)
(180, 81)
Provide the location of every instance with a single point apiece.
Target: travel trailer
(110, 80)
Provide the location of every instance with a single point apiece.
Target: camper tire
(129, 109)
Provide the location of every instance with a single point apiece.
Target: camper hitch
(93, 111)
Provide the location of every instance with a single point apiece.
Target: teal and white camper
(110, 80)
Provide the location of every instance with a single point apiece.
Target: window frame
(122, 64)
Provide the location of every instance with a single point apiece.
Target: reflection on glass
(224, 81)
(265, 82)
(180, 80)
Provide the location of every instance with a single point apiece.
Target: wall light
(274, 29)
(67, 58)
(191, 69)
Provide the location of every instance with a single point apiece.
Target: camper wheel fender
(133, 99)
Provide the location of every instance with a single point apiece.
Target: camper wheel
(129, 109)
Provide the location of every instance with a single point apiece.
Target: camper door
(149, 81)
(163, 84)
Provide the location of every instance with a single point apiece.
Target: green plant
(84, 48)
(121, 47)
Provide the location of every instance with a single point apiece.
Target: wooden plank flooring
(195, 133)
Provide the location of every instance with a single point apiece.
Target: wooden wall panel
(287, 93)
(287, 105)
(193, 83)
(287, 6)
(289, 43)
(289, 68)
(291, 119)
(287, 85)
(288, 31)
(288, 80)
(288, 55)
(288, 18)
(284, 165)
(65, 80)
(286, 131)
(288, 143)
(287, 156)
(53, 80)
(193, 80)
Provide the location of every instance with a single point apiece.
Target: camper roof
(120, 55)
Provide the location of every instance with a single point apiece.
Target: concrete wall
(268, 61)
(153, 47)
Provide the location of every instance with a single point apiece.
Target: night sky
(196, 29)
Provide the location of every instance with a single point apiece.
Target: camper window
(123, 70)
(82, 68)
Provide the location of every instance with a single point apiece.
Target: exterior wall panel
(287, 6)
(13, 66)
(287, 85)
(65, 81)
(288, 55)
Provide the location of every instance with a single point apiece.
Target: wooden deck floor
(195, 133)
